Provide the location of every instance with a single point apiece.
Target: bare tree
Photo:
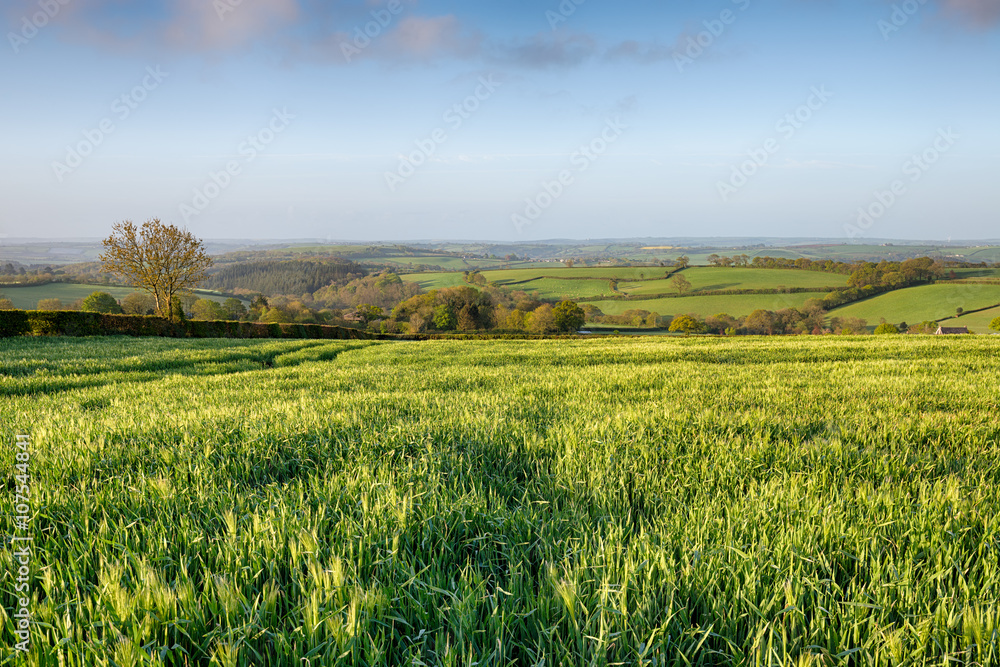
(160, 259)
(681, 284)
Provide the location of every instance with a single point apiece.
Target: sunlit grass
(750, 501)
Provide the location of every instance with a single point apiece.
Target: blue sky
(510, 120)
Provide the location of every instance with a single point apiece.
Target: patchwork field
(541, 277)
(815, 500)
(705, 279)
(591, 282)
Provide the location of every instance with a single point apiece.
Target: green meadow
(704, 279)
(925, 302)
(737, 305)
(977, 322)
(591, 282)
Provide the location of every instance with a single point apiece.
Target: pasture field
(705, 279)
(590, 282)
(977, 322)
(556, 289)
(561, 278)
(507, 276)
(455, 263)
(27, 298)
(980, 253)
(978, 274)
(925, 302)
(432, 281)
(751, 501)
(737, 305)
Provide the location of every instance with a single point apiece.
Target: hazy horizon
(520, 122)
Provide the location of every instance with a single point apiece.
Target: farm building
(944, 331)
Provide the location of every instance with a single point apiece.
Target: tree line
(282, 276)
(166, 263)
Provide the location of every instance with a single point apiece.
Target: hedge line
(718, 292)
(619, 279)
(76, 323)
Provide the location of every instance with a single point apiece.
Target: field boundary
(15, 323)
(968, 312)
(734, 292)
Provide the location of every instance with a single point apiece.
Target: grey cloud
(547, 50)
(645, 53)
(321, 31)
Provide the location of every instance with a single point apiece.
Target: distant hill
(482, 255)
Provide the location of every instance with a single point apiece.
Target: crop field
(814, 500)
(926, 302)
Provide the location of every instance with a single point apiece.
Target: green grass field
(750, 501)
(555, 287)
(978, 274)
(704, 279)
(981, 254)
(589, 282)
(704, 306)
(456, 263)
(432, 281)
(547, 288)
(926, 302)
(27, 298)
(977, 322)
(605, 273)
